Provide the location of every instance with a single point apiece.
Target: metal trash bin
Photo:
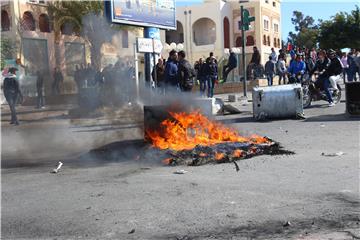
(353, 98)
(284, 101)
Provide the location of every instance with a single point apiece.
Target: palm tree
(74, 13)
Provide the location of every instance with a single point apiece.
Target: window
(264, 39)
(44, 24)
(238, 42)
(28, 22)
(278, 43)
(250, 41)
(266, 24)
(275, 43)
(5, 21)
(274, 4)
(276, 27)
(37, 1)
(266, 1)
(268, 41)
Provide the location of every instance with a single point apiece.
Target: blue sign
(146, 13)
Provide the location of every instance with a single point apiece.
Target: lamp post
(245, 22)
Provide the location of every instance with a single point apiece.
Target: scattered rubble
(337, 154)
(56, 170)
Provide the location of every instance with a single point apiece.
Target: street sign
(247, 20)
(149, 45)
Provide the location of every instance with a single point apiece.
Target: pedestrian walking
(232, 64)
(12, 92)
(270, 71)
(40, 89)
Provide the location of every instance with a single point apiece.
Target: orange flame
(167, 161)
(238, 153)
(188, 130)
(219, 156)
(203, 154)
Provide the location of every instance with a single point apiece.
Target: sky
(318, 9)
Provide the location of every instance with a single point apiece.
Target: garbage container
(353, 98)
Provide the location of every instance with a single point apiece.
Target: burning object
(190, 138)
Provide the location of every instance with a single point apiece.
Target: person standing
(58, 79)
(232, 64)
(201, 76)
(40, 89)
(159, 70)
(345, 65)
(352, 66)
(186, 73)
(171, 76)
(281, 68)
(12, 92)
(273, 55)
(211, 75)
(270, 71)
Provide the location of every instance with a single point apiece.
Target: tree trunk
(95, 50)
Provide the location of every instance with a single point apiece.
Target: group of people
(330, 66)
(175, 74)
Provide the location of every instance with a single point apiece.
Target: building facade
(213, 26)
(29, 27)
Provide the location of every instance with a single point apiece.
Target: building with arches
(213, 26)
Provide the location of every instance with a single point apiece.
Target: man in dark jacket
(211, 75)
(39, 89)
(186, 73)
(171, 71)
(12, 92)
(232, 63)
(321, 65)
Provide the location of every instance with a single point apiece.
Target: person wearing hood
(232, 64)
(12, 92)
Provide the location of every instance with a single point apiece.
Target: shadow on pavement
(332, 118)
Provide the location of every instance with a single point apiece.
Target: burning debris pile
(192, 139)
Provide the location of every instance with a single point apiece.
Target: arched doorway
(204, 32)
(44, 23)
(5, 21)
(28, 21)
(226, 33)
(176, 36)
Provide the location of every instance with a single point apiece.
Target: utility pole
(245, 25)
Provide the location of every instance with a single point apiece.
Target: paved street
(94, 198)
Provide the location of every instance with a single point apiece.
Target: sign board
(145, 13)
(148, 45)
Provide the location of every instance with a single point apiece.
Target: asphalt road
(122, 198)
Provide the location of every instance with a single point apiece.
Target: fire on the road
(188, 130)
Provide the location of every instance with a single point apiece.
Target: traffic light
(246, 19)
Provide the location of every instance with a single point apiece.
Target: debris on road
(322, 125)
(132, 231)
(337, 154)
(287, 224)
(236, 166)
(182, 171)
(56, 170)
